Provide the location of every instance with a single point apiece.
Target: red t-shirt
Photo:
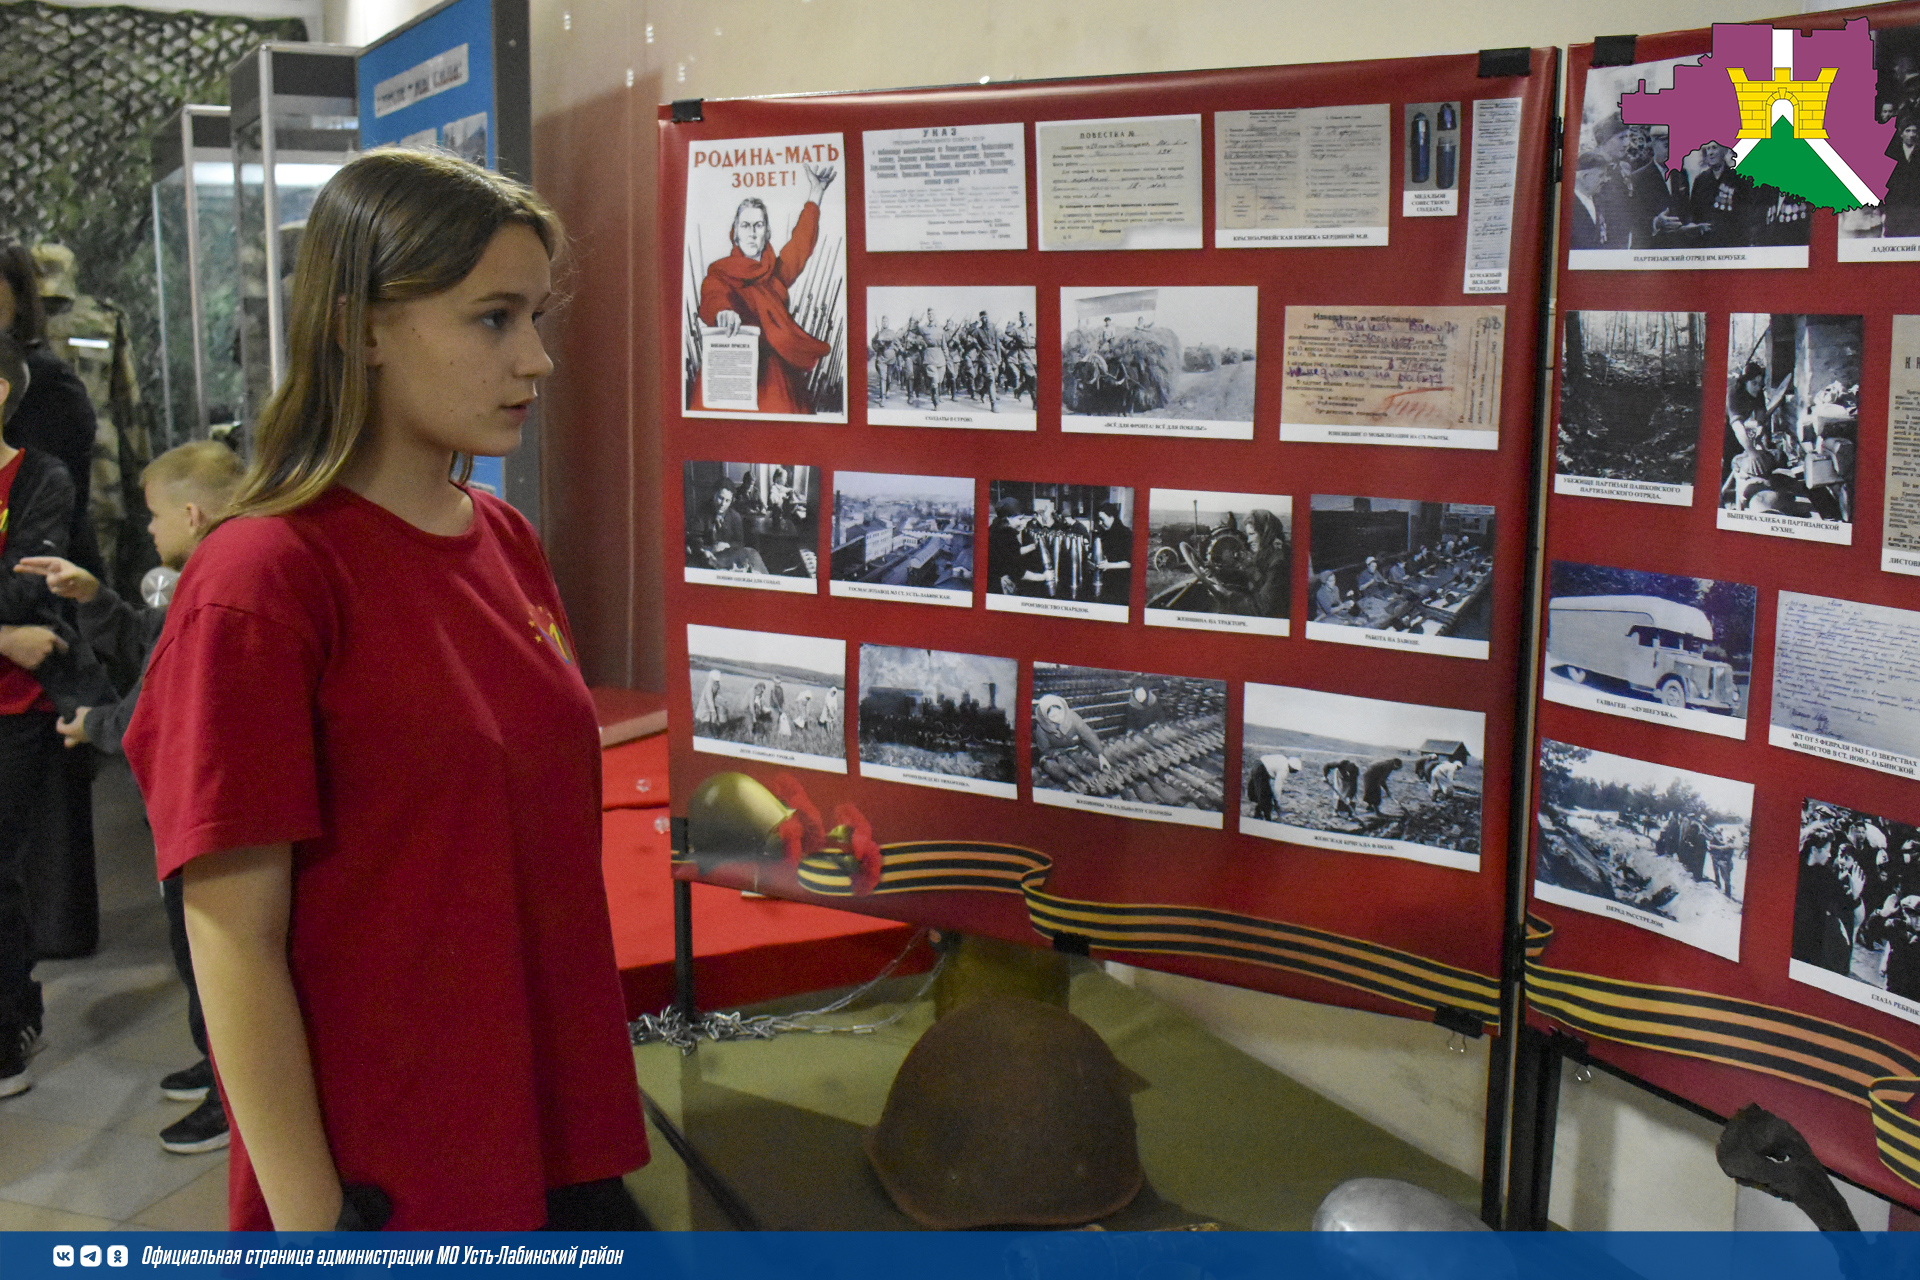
(405, 710)
(19, 691)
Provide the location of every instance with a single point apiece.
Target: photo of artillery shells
(935, 719)
(1630, 389)
(1361, 775)
(761, 695)
(1130, 743)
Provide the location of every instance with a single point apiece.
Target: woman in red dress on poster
(366, 748)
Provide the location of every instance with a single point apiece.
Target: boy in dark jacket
(187, 489)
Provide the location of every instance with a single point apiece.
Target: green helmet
(732, 816)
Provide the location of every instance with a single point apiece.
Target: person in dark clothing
(1902, 201)
(1003, 550)
(1723, 199)
(54, 416)
(1115, 542)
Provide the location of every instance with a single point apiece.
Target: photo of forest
(1630, 389)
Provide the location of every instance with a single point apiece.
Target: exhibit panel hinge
(687, 111)
(1613, 51)
(1459, 1021)
(1567, 1046)
(1501, 64)
(1073, 944)
(1559, 147)
(677, 836)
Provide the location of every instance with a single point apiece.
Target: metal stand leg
(1536, 1113)
(1493, 1158)
(683, 949)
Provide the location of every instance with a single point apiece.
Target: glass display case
(198, 274)
(294, 124)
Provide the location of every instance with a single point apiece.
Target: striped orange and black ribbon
(957, 865)
(1823, 1055)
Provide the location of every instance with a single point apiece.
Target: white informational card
(1900, 537)
(1211, 819)
(1341, 842)
(1130, 183)
(1185, 428)
(1302, 176)
(1751, 258)
(1716, 943)
(1048, 607)
(904, 594)
(768, 754)
(1496, 160)
(1850, 988)
(1399, 641)
(1415, 375)
(939, 781)
(1557, 688)
(729, 376)
(1231, 624)
(946, 187)
(1806, 529)
(755, 581)
(1665, 495)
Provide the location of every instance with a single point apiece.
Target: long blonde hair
(391, 225)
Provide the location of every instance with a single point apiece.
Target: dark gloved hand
(363, 1208)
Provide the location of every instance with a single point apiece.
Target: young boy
(187, 490)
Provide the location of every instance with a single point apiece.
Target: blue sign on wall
(433, 81)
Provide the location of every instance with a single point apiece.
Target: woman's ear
(367, 340)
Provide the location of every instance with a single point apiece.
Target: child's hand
(64, 578)
(73, 729)
(30, 646)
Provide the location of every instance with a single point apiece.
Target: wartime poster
(1167, 361)
(1424, 376)
(1792, 424)
(1220, 561)
(1630, 392)
(1062, 550)
(1846, 683)
(929, 718)
(906, 538)
(1301, 176)
(1650, 646)
(1130, 743)
(1120, 184)
(1856, 908)
(1430, 165)
(765, 287)
(1660, 848)
(758, 695)
(753, 524)
(1393, 573)
(946, 188)
(952, 356)
(1358, 775)
(1900, 541)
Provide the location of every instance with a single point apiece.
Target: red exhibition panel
(1725, 716)
(1332, 877)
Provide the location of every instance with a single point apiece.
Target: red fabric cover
(404, 709)
(19, 691)
(745, 949)
(633, 775)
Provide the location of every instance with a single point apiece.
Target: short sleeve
(222, 742)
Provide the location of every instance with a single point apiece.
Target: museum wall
(1626, 1159)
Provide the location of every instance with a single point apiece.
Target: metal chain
(672, 1027)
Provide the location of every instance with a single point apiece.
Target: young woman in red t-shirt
(365, 747)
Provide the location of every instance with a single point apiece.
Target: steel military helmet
(1008, 1112)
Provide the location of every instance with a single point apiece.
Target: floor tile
(15, 1216)
(160, 1039)
(93, 1091)
(111, 1175)
(26, 1143)
(201, 1205)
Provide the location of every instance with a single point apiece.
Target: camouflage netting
(81, 93)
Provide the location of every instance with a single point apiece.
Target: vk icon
(89, 1255)
(116, 1255)
(63, 1255)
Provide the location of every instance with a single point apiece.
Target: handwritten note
(1303, 176)
(1120, 184)
(1496, 159)
(1846, 682)
(1403, 375)
(946, 187)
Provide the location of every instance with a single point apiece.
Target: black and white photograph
(467, 138)
(1890, 230)
(1161, 361)
(903, 538)
(1660, 848)
(952, 356)
(1650, 646)
(1394, 573)
(1638, 208)
(1062, 550)
(764, 279)
(763, 695)
(1361, 775)
(1845, 686)
(1792, 425)
(1856, 908)
(1630, 394)
(1430, 133)
(1220, 561)
(753, 524)
(934, 719)
(1130, 743)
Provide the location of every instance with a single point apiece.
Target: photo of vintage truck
(1656, 647)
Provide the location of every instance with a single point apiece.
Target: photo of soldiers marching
(950, 348)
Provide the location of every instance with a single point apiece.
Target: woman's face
(456, 371)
